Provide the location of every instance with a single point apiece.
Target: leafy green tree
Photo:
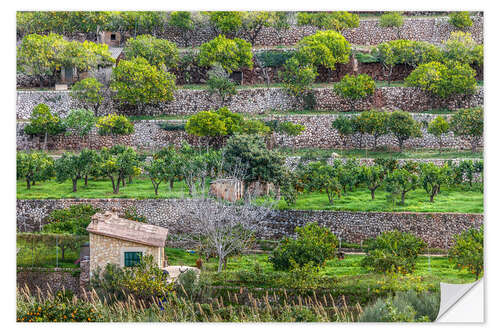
(321, 177)
(325, 48)
(185, 23)
(69, 166)
(444, 80)
(313, 243)
(72, 220)
(113, 124)
(90, 159)
(250, 152)
(403, 127)
(432, 177)
(79, 121)
(373, 176)
(138, 83)
(157, 52)
(173, 161)
(393, 251)
(44, 123)
(297, 78)
(374, 123)
(355, 87)
(401, 181)
(460, 20)
(438, 127)
(89, 92)
(117, 164)
(347, 173)
(219, 83)
(337, 21)
(37, 55)
(252, 23)
(231, 54)
(157, 172)
(225, 22)
(392, 20)
(468, 251)
(468, 124)
(291, 129)
(83, 56)
(344, 127)
(33, 166)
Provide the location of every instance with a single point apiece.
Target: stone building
(123, 242)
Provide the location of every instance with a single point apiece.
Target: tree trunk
(74, 184)
(156, 188)
(45, 141)
(28, 183)
(403, 198)
(117, 188)
(86, 180)
(123, 181)
(401, 143)
(221, 261)
(171, 185)
(372, 191)
(113, 184)
(433, 193)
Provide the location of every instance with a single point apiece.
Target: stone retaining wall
(254, 101)
(318, 133)
(42, 278)
(437, 229)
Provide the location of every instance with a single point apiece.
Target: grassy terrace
(454, 199)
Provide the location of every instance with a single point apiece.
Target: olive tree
(468, 124)
(89, 92)
(439, 127)
(403, 127)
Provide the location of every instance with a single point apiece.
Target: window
(113, 36)
(132, 258)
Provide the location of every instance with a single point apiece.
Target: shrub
(461, 47)
(219, 83)
(468, 124)
(231, 54)
(393, 251)
(114, 124)
(438, 127)
(274, 59)
(89, 92)
(313, 244)
(408, 306)
(325, 48)
(344, 126)
(337, 21)
(355, 87)
(73, 220)
(461, 20)
(225, 22)
(403, 126)
(467, 252)
(44, 123)
(374, 123)
(158, 52)
(391, 20)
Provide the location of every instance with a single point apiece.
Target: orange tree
(467, 252)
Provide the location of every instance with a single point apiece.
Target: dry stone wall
(437, 229)
(52, 279)
(318, 133)
(254, 101)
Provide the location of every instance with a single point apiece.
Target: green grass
(405, 154)
(453, 199)
(44, 256)
(141, 188)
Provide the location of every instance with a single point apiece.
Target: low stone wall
(318, 133)
(437, 229)
(46, 279)
(254, 101)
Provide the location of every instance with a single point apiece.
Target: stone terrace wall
(369, 32)
(56, 278)
(149, 136)
(254, 101)
(437, 229)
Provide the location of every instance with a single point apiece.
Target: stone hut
(123, 242)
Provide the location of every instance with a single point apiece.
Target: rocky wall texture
(53, 279)
(437, 229)
(254, 101)
(369, 32)
(318, 133)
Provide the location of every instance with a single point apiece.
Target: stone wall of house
(48, 279)
(369, 32)
(254, 101)
(318, 133)
(437, 229)
(104, 250)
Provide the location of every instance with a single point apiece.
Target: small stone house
(123, 242)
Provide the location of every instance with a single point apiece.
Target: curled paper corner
(461, 303)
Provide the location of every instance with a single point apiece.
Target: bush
(89, 92)
(43, 123)
(391, 20)
(114, 124)
(355, 87)
(461, 47)
(79, 121)
(337, 21)
(468, 124)
(408, 306)
(231, 54)
(274, 59)
(325, 48)
(297, 78)
(461, 20)
(393, 251)
(73, 220)
(219, 83)
(467, 252)
(313, 244)
(158, 52)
